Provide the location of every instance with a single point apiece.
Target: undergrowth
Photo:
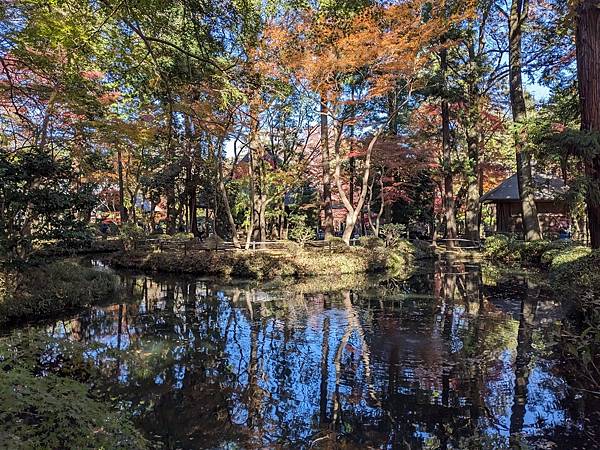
(38, 291)
(42, 407)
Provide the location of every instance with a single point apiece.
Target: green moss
(36, 292)
(572, 268)
(511, 251)
(575, 270)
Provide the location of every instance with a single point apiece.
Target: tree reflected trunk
(324, 394)
(522, 361)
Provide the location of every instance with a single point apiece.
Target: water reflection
(442, 360)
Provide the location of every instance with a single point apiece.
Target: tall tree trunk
(251, 175)
(472, 203)
(191, 182)
(352, 159)
(282, 233)
(171, 209)
(588, 68)
(326, 165)
(449, 206)
(191, 192)
(375, 226)
(133, 213)
(531, 224)
(354, 212)
(258, 196)
(474, 141)
(262, 217)
(230, 220)
(122, 209)
(29, 215)
(193, 209)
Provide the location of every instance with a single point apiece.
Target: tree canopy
(248, 119)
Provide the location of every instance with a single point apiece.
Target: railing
(198, 245)
(460, 243)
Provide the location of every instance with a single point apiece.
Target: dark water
(452, 358)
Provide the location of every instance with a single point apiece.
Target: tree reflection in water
(439, 361)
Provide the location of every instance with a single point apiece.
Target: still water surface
(451, 358)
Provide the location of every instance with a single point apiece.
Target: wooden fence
(190, 245)
(460, 243)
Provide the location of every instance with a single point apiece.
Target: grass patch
(35, 292)
(262, 265)
(57, 248)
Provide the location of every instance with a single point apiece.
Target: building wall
(552, 216)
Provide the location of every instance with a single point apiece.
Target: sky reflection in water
(442, 360)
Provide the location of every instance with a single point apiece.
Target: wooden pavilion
(549, 193)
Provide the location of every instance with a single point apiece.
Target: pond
(454, 357)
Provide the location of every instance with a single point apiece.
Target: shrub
(337, 244)
(548, 256)
(131, 232)
(214, 241)
(507, 250)
(265, 265)
(81, 236)
(498, 248)
(567, 256)
(302, 233)
(575, 270)
(370, 242)
(183, 236)
(290, 247)
(339, 262)
(405, 247)
(393, 233)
